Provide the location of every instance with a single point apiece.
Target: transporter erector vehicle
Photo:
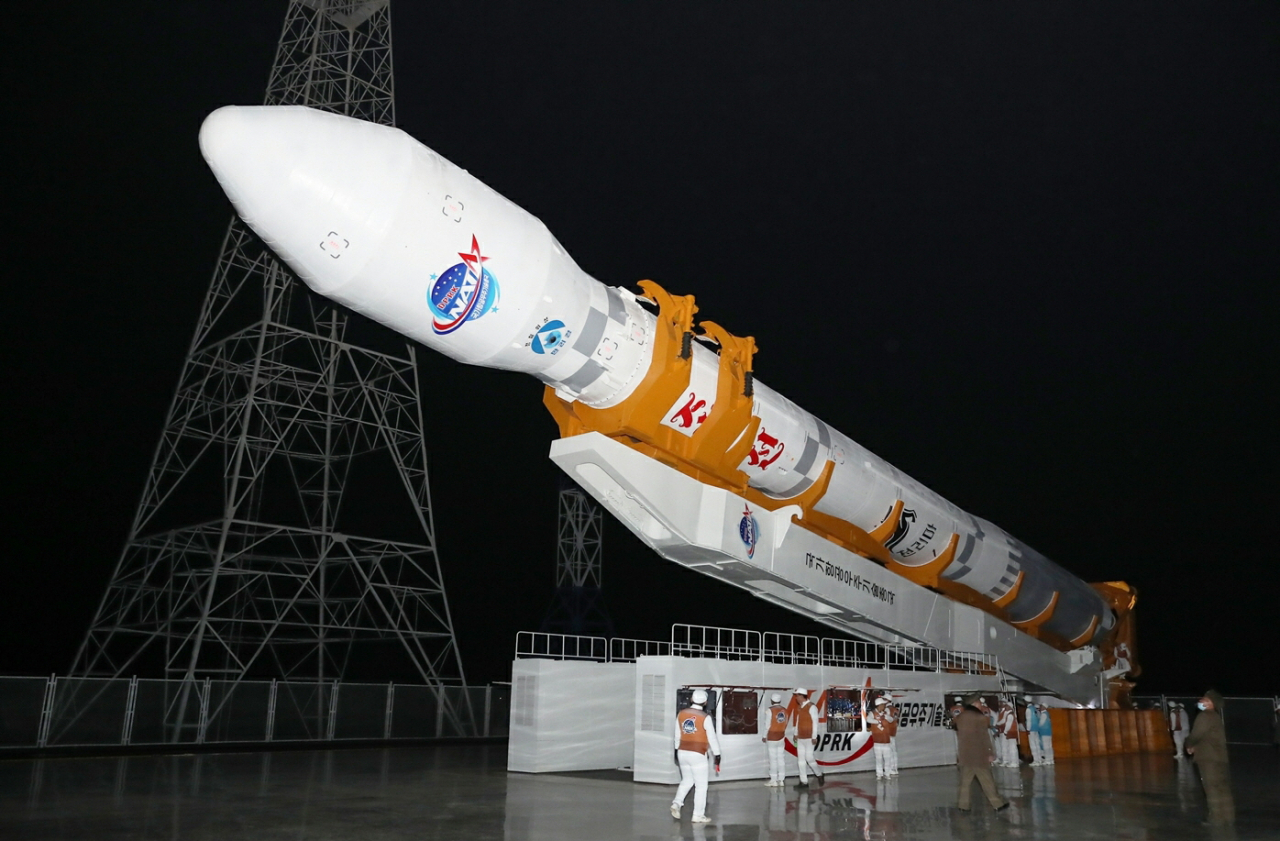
(662, 420)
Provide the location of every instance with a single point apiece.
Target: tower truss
(295, 429)
(578, 607)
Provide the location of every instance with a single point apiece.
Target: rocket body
(369, 217)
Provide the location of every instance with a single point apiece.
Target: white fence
(62, 712)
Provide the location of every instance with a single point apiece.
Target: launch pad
(466, 791)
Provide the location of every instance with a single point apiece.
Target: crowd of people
(987, 735)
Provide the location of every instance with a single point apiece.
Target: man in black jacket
(1207, 745)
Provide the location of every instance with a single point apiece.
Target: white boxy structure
(580, 704)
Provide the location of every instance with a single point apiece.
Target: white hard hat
(804, 692)
(699, 696)
(1173, 703)
(1027, 698)
(881, 700)
(775, 697)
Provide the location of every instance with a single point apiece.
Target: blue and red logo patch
(749, 531)
(550, 337)
(463, 292)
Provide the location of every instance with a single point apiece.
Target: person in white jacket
(880, 725)
(1033, 735)
(1044, 729)
(773, 726)
(1007, 735)
(804, 732)
(695, 741)
(1179, 727)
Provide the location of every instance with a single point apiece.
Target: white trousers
(693, 775)
(1179, 736)
(883, 762)
(1009, 751)
(777, 758)
(1037, 755)
(804, 757)
(893, 756)
(1046, 748)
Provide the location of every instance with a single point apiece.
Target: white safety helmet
(802, 692)
(1027, 698)
(700, 696)
(775, 698)
(881, 700)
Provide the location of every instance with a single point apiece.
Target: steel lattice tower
(579, 604)
(288, 436)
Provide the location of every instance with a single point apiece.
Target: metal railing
(791, 649)
(769, 647)
(709, 641)
(539, 644)
(622, 650)
(912, 658)
(63, 712)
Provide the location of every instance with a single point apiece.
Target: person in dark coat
(974, 755)
(1207, 746)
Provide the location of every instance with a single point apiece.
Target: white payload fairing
(708, 466)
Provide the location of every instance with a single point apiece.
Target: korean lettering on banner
(849, 578)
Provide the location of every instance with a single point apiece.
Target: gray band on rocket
(808, 456)
(797, 488)
(807, 459)
(592, 331)
(824, 434)
(584, 376)
(617, 309)
(960, 566)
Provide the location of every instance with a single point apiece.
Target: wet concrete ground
(465, 792)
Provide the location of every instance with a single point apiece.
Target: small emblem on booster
(749, 531)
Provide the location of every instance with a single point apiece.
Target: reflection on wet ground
(465, 792)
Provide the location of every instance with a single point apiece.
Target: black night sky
(1028, 253)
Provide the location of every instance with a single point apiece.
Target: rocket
(662, 419)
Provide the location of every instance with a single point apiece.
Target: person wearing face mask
(1207, 746)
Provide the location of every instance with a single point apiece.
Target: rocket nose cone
(252, 151)
(220, 137)
(235, 144)
(309, 182)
